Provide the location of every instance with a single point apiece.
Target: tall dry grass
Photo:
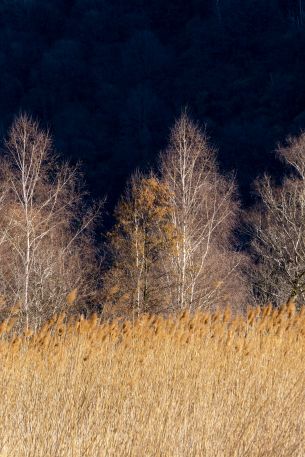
(202, 385)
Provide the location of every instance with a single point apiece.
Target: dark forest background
(109, 78)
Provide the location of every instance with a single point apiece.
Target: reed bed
(188, 385)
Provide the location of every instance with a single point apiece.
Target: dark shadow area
(109, 78)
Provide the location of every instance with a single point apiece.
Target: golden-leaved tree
(140, 244)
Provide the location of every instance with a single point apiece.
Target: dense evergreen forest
(109, 78)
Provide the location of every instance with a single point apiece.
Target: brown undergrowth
(201, 385)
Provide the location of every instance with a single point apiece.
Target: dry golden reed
(203, 385)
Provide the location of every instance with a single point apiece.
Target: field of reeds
(202, 385)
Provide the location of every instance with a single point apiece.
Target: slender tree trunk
(138, 268)
(27, 279)
(24, 178)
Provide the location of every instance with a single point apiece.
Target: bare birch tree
(277, 226)
(204, 271)
(46, 244)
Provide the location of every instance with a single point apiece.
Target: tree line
(175, 243)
